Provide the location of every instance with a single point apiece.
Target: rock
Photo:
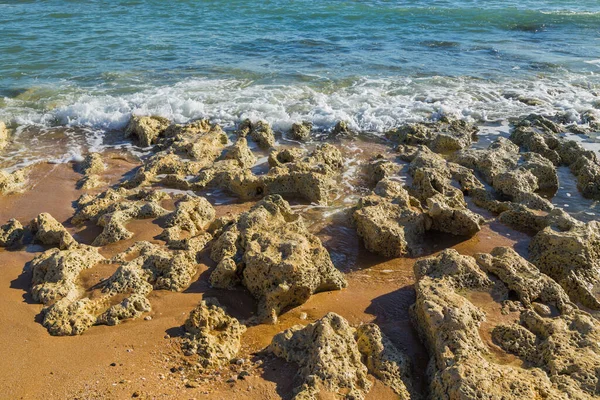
(390, 226)
(212, 334)
(65, 317)
(90, 182)
(523, 278)
(192, 215)
(460, 366)
(112, 209)
(280, 262)
(301, 130)
(380, 168)
(441, 137)
(242, 153)
(131, 307)
(571, 258)
(12, 182)
(3, 135)
(565, 347)
(49, 231)
(146, 130)
(11, 234)
(310, 176)
(327, 356)
(341, 128)
(92, 164)
(260, 132)
(56, 272)
(385, 361)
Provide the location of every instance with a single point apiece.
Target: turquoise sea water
(375, 63)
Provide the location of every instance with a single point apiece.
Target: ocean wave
(368, 104)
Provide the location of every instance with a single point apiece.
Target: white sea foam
(368, 104)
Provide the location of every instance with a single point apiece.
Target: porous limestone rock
(380, 168)
(67, 317)
(571, 258)
(11, 234)
(276, 258)
(301, 130)
(91, 166)
(259, 131)
(523, 278)
(212, 334)
(341, 128)
(389, 224)
(185, 226)
(146, 130)
(113, 208)
(327, 356)
(56, 272)
(3, 135)
(241, 153)
(566, 347)
(385, 361)
(443, 136)
(11, 182)
(460, 366)
(49, 231)
(131, 307)
(311, 176)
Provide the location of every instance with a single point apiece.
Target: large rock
(91, 166)
(49, 231)
(259, 131)
(11, 234)
(146, 130)
(442, 137)
(460, 365)
(301, 130)
(212, 334)
(11, 182)
(572, 258)
(270, 251)
(327, 356)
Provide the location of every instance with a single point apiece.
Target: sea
(86, 66)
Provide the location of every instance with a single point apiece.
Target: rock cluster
(269, 251)
(212, 334)
(461, 366)
(446, 135)
(329, 353)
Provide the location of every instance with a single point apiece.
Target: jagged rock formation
(540, 135)
(113, 208)
(13, 182)
(392, 220)
(186, 225)
(259, 131)
(270, 251)
(327, 355)
(442, 137)
(11, 234)
(212, 334)
(461, 366)
(49, 231)
(146, 130)
(301, 130)
(90, 167)
(572, 258)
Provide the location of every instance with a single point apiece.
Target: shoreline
(380, 289)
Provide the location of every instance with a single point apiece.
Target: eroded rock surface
(270, 251)
(11, 234)
(91, 167)
(4, 135)
(212, 334)
(443, 136)
(301, 130)
(327, 356)
(259, 131)
(11, 182)
(146, 130)
(49, 231)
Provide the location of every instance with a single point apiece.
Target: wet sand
(142, 357)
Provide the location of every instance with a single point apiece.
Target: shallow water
(373, 63)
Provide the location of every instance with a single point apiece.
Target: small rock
(148, 318)
(113, 364)
(135, 394)
(240, 361)
(242, 375)
(231, 380)
(303, 315)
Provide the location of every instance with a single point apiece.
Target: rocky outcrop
(49, 231)
(67, 317)
(539, 134)
(565, 347)
(524, 278)
(310, 176)
(4, 135)
(11, 182)
(11, 234)
(571, 258)
(460, 366)
(56, 272)
(259, 131)
(392, 220)
(385, 361)
(185, 226)
(443, 136)
(146, 130)
(327, 356)
(131, 307)
(113, 208)
(301, 130)
(91, 166)
(212, 334)
(271, 253)
(241, 153)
